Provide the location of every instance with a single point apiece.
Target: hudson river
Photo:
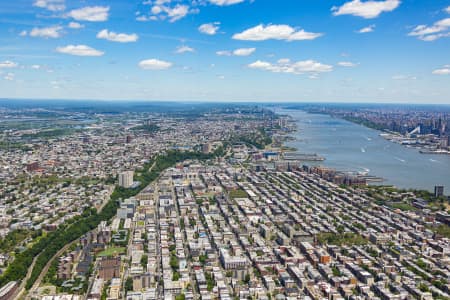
(352, 147)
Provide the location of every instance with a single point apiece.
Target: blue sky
(389, 51)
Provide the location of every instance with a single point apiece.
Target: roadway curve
(18, 293)
(21, 289)
(44, 271)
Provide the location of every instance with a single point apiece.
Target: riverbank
(347, 146)
(426, 144)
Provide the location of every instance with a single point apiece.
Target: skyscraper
(438, 191)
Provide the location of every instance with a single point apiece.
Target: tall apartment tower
(126, 179)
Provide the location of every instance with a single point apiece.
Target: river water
(352, 147)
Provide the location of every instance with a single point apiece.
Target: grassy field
(112, 251)
(403, 206)
(348, 239)
(238, 194)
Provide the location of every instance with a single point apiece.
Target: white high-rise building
(126, 179)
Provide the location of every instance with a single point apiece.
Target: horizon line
(273, 102)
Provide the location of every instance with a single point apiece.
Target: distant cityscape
(422, 127)
(224, 150)
(210, 203)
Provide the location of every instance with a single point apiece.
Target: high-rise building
(438, 191)
(109, 267)
(126, 179)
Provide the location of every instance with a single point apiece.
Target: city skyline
(210, 201)
(226, 50)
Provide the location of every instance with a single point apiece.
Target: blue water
(352, 147)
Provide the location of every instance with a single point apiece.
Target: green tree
(180, 297)
(247, 278)
(129, 284)
(144, 261)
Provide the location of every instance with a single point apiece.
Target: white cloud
(224, 53)
(367, 9)
(7, 64)
(276, 32)
(23, 33)
(225, 2)
(156, 10)
(75, 25)
(79, 50)
(117, 37)
(184, 49)
(244, 51)
(51, 5)
(154, 64)
(433, 37)
(36, 67)
(287, 66)
(443, 71)
(175, 13)
(143, 18)
(172, 10)
(9, 76)
(367, 29)
(209, 28)
(159, 2)
(47, 32)
(347, 64)
(90, 13)
(447, 10)
(237, 52)
(430, 33)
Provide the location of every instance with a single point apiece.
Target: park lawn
(112, 251)
(240, 193)
(403, 206)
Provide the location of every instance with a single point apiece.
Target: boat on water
(434, 152)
